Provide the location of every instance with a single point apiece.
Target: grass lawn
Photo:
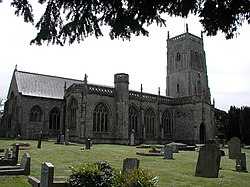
(176, 172)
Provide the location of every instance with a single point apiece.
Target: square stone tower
(186, 66)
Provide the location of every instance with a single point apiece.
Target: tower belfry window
(178, 88)
(178, 57)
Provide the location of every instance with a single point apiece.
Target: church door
(202, 133)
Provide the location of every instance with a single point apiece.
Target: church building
(38, 102)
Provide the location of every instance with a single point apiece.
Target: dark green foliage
(245, 124)
(221, 123)
(233, 126)
(135, 178)
(74, 20)
(94, 175)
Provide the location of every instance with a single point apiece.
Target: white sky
(143, 58)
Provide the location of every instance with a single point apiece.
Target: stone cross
(208, 163)
(130, 164)
(234, 147)
(47, 175)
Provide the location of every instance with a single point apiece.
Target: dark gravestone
(168, 152)
(88, 144)
(62, 139)
(7, 154)
(23, 169)
(39, 143)
(47, 175)
(241, 162)
(67, 137)
(130, 164)
(234, 147)
(208, 163)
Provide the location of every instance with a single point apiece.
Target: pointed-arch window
(199, 86)
(178, 57)
(54, 119)
(133, 119)
(72, 113)
(167, 123)
(36, 114)
(101, 118)
(149, 120)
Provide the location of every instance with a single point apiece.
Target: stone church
(51, 104)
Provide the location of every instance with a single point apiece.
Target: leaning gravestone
(241, 162)
(47, 175)
(208, 163)
(130, 164)
(234, 147)
(168, 152)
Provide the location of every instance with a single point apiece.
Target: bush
(100, 174)
(94, 175)
(135, 178)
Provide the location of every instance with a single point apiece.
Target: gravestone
(168, 152)
(47, 175)
(62, 139)
(132, 137)
(130, 164)
(241, 162)
(39, 143)
(175, 148)
(88, 144)
(67, 137)
(234, 147)
(58, 138)
(7, 153)
(208, 163)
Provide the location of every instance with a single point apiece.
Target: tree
(233, 126)
(74, 20)
(221, 123)
(245, 124)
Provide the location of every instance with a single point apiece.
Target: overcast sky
(143, 58)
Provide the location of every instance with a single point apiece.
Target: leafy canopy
(74, 20)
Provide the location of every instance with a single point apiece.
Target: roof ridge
(46, 75)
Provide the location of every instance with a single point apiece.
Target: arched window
(192, 58)
(178, 57)
(36, 114)
(72, 113)
(54, 119)
(101, 118)
(167, 123)
(199, 86)
(196, 60)
(133, 119)
(178, 88)
(149, 120)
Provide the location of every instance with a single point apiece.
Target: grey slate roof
(38, 85)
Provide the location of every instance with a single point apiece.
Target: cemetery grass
(177, 172)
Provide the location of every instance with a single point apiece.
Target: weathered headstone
(58, 138)
(7, 153)
(208, 163)
(241, 162)
(88, 144)
(62, 139)
(130, 164)
(234, 147)
(175, 148)
(168, 152)
(67, 137)
(39, 143)
(47, 175)
(132, 137)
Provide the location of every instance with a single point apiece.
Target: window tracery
(101, 118)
